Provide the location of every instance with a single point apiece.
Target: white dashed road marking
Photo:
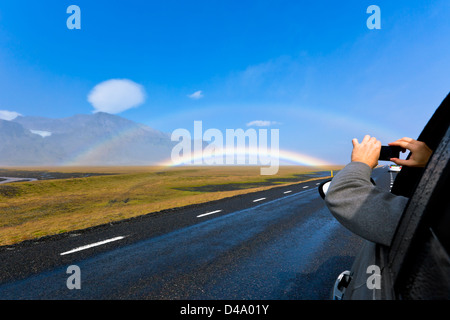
(92, 245)
(208, 213)
(392, 180)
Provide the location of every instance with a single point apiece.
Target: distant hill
(96, 139)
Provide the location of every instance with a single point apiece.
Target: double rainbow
(285, 157)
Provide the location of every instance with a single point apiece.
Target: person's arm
(361, 207)
(357, 204)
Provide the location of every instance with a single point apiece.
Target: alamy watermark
(238, 148)
(374, 20)
(74, 20)
(74, 280)
(374, 278)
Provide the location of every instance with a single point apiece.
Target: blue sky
(311, 69)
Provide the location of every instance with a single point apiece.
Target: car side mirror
(323, 187)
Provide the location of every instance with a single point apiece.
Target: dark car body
(417, 263)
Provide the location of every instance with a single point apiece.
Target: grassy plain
(30, 210)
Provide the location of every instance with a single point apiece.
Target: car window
(420, 257)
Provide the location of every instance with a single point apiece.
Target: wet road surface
(284, 248)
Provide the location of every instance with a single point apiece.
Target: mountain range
(98, 139)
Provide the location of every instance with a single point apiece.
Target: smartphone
(388, 152)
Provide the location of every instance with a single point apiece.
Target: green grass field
(31, 210)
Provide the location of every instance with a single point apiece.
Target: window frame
(394, 258)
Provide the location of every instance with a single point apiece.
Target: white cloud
(42, 133)
(262, 123)
(8, 115)
(116, 95)
(196, 95)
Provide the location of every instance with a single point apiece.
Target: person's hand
(420, 153)
(368, 151)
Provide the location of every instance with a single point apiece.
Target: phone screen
(388, 152)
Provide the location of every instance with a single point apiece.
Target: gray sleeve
(361, 207)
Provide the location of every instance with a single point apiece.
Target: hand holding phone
(388, 152)
(420, 152)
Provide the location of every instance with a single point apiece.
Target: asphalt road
(281, 244)
(9, 179)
